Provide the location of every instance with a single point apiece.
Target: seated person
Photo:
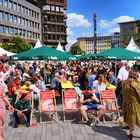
(89, 101)
(22, 108)
(13, 89)
(55, 83)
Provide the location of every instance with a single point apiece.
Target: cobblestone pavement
(67, 131)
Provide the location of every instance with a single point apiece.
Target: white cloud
(113, 26)
(114, 30)
(123, 19)
(69, 31)
(75, 20)
(105, 24)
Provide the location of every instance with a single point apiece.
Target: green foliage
(16, 44)
(75, 50)
(138, 35)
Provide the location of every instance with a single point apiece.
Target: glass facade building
(19, 18)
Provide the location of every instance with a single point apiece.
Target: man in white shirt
(122, 76)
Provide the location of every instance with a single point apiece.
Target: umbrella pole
(115, 69)
(44, 72)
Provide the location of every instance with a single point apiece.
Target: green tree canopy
(16, 44)
(75, 50)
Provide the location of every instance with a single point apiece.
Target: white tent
(132, 46)
(38, 44)
(3, 52)
(59, 47)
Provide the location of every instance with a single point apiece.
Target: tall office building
(19, 17)
(53, 22)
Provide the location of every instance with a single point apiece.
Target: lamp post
(95, 34)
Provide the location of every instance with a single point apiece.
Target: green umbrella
(116, 53)
(43, 53)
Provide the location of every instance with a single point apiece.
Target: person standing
(3, 100)
(131, 102)
(122, 76)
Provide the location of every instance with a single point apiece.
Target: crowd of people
(93, 75)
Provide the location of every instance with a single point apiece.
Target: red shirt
(11, 86)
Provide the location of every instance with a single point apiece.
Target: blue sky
(109, 13)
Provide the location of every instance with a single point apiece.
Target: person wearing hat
(22, 108)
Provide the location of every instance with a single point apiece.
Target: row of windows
(53, 37)
(53, 28)
(99, 42)
(20, 32)
(128, 29)
(53, 9)
(18, 20)
(19, 8)
(91, 47)
(53, 18)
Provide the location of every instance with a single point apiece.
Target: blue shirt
(90, 81)
(113, 80)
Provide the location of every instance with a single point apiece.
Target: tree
(75, 50)
(138, 34)
(16, 44)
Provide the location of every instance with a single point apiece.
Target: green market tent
(43, 53)
(116, 53)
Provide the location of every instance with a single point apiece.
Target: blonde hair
(133, 75)
(101, 79)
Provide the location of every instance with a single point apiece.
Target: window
(19, 20)
(45, 28)
(45, 18)
(27, 33)
(23, 10)
(52, 8)
(29, 12)
(10, 5)
(23, 33)
(11, 18)
(20, 32)
(7, 30)
(26, 11)
(15, 19)
(11, 30)
(1, 15)
(61, 9)
(57, 9)
(26, 22)
(16, 31)
(23, 21)
(15, 6)
(1, 29)
(46, 8)
(6, 3)
(19, 7)
(29, 23)
(6, 16)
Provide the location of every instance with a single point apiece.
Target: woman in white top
(100, 84)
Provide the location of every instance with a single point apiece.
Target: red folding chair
(47, 104)
(91, 111)
(70, 102)
(108, 99)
